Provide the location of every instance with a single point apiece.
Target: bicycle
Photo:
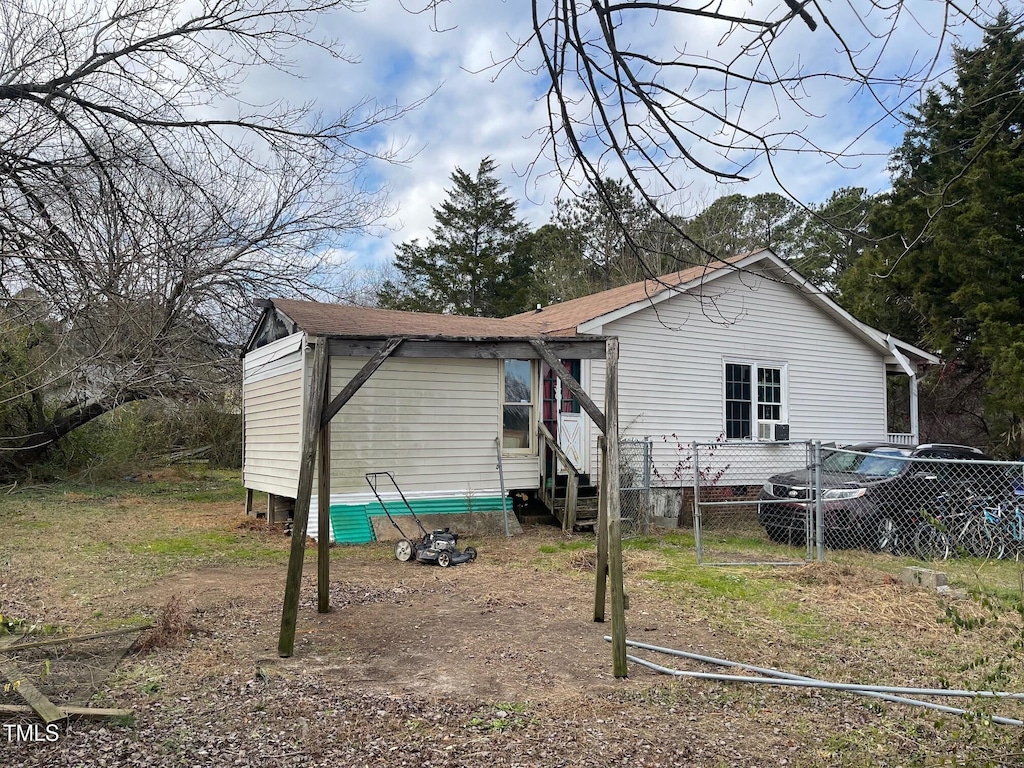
(951, 529)
(1006, 521)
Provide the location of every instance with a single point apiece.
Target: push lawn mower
(440, 546)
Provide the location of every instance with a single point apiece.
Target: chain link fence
(799, 499)
(730, 521)
(635, 486)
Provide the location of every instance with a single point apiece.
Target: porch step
(540, 519)
(586, 512)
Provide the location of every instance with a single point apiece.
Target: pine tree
(478, 260)
(949, 273)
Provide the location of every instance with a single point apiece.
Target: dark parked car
(872, 493)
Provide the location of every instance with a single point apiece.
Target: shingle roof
(562, 319)
(568, 315)
(319, 319)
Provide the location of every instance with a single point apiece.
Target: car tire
(884, 535)
(780, 534)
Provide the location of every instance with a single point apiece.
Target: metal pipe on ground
(785, 678)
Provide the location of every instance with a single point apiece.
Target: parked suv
(871, 492)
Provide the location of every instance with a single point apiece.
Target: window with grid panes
(754, 400)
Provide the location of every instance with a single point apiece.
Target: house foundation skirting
(355, 519)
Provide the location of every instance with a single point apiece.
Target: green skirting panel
(351, 522)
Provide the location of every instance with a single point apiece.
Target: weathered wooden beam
(487, 349)
(384, 351)
(572, 499)
(13, 646)
(42, 706)
(300, 520)
(248, 501)
(569, 381)
(548, 438)
(89, 713)
(601, 589)
(323, 511)
(611, 411)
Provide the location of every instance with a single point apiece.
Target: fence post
(819, 516)
(696, 505)
(648, 462)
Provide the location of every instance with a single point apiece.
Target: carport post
(601, 589)
(323, 512)
(614, 503)
(310, 434)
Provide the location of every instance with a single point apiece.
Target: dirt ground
(496, 662)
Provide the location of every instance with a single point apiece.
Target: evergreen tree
(606, 233)
(739, 223)
(478, 260)
(833, 237)
(949, 273)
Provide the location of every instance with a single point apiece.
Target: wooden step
(538, 520)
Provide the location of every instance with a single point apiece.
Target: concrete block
(923, 577)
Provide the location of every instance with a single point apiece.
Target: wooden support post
(611, 415)
(601, 590)
(248, 501)
(310, 434)
(323, 511)
(572, 497)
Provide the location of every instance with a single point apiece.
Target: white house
(743, 351)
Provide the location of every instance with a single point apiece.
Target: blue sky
(477, 109)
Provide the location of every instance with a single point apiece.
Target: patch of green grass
(803, 624)
(217, 546)
(715, 583)
(504, 716)
(90, 538)
(572, 545)
(199, 486)
(197, 544)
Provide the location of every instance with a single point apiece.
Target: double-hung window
(755, 400)
(517, 406)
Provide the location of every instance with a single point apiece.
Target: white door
(570, 439)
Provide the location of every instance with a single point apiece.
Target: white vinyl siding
(432, 422)
(272, 416)
(671, 367)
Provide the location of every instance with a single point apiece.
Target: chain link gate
(733, 521)
(635, 486)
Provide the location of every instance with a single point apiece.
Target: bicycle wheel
(977, 540)
(930, 543)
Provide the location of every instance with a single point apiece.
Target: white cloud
(477, 112)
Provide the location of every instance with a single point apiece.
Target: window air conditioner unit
(782, 431)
